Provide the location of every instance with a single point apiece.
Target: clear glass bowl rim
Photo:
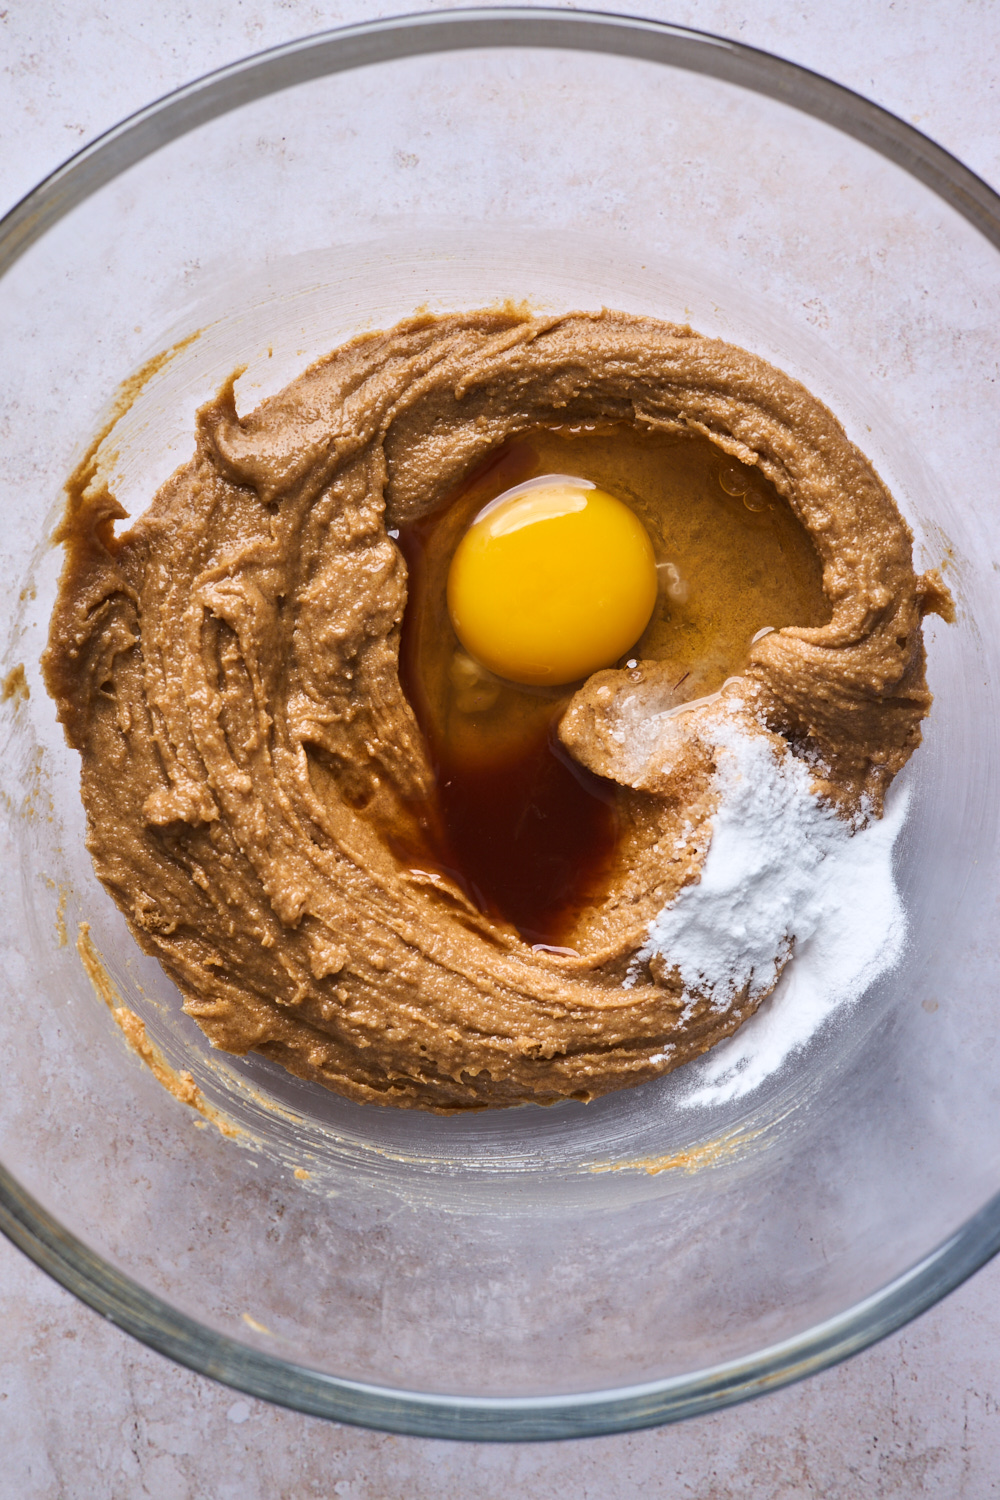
(36, 1232)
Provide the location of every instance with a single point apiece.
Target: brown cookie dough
(228, 670)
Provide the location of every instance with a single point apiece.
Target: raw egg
(553, 579)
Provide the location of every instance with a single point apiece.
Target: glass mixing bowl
(532, 1273)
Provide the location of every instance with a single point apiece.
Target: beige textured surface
(86, 1412)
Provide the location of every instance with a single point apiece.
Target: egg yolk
(553, 579)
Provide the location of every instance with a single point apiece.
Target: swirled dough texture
(228, 670)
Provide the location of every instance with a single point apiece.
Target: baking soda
(785, 882)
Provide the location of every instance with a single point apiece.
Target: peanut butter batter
(252, 770)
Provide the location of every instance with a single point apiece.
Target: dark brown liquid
(529, 834)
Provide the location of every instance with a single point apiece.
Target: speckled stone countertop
(87, 1412)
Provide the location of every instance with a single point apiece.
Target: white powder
(783, 873)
